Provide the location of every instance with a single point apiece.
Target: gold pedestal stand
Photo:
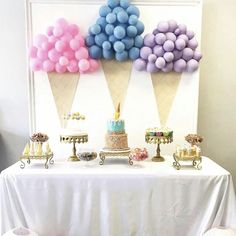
(105, 153)
(196, 161)
(82, 138)
(48, 159)
(158, 140)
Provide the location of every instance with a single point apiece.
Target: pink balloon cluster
(169, 47)
(62, 49)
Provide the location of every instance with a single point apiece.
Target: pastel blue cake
(115, 126)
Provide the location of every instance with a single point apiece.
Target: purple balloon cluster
(62, 49)
(171, 47)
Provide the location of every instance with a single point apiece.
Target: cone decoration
(117, 77)
(63, 88)
(165, 86)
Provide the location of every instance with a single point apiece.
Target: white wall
(217, 114)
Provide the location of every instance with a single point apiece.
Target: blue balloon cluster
(117, 32)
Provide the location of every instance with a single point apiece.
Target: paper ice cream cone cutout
(165, 86)
(63, 89)
(117, 76)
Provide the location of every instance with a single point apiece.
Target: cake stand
(47, 157)
(158, 140)
(119, 153)
(81, 138)
(196, 161)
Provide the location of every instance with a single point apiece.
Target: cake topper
(117, 112)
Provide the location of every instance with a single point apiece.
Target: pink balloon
(42, 55)
(58, 31)
(69, 54)
(46, 46)
(49, 31)
(54, 55)
(40, 39)
(83, 65)
(33, 52)
(60, 46)
(94, 65)
(63, 61)
(36, 64)
(73, 29)
(75, 44)
(62, 23)
(82, 53)
(48, 66)
(80, 39)
(67, 37)
(73, 66)
(52, 39)
(60, 69)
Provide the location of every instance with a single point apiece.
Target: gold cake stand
(82, 138)
(106, 152)
(48, 159)
(158, 140)
(196, 161)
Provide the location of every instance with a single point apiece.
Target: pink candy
(138, 154)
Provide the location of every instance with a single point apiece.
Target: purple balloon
(152, 58)
(180, 44)
(182, 28)
(140, 64)
(187, 54)
(190, 34)
(177, 54)
(169, 46)
(158, 51)
(163, 26)
(160, 62)
(172, 25)
(149, 40)
(197, 56)
(170, 36)
(169, 67)
(145, 52)
(177, 32)
(155, 31)
(151, 67)
(169, 56)
(192, 65)
(180, 65)
(184, 37)
(192, 43)
(160, 38)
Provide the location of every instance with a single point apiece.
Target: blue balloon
(119, 32)
(140, 27)
(134, 53)
(133, 20)
(95, 29)
(138, 41)
(109, 29)
(129, 42)
(111, 18)
(89, 40)
(108, 54)
(102, 22)
(133, 10)
(122, 17)
(100, 38)
(119, 46)
(95, 52)
(104, 10)
(112, 39)
(121, 56)
(124, 3)
(117, 10)
(132, 31)
(113, 3)
(106, 45)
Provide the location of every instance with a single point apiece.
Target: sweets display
(72, 122)
(116, 139)
(187, 151)
(159, 132)
(138, 154)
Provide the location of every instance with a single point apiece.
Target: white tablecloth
(147, 199)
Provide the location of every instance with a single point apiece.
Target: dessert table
(146, 199)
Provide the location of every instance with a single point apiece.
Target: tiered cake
(116, 139)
